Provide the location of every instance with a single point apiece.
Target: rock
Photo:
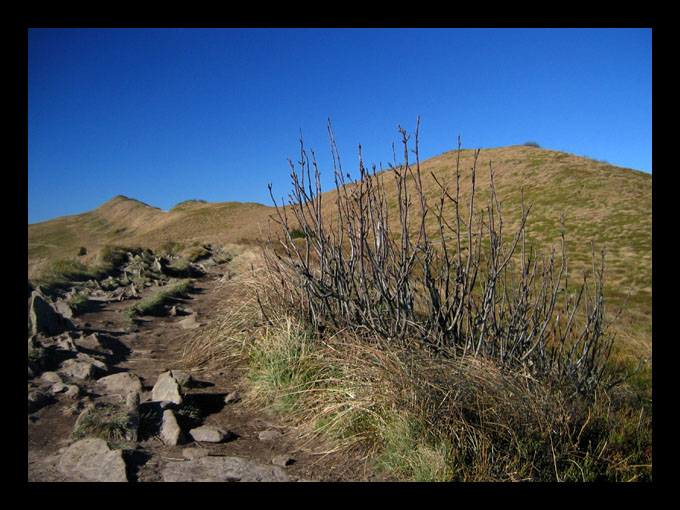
(63, 308)
(223, 469)
(72, 391)
(268, 435)
(83, 367)
(209, 434)
(167, 388)
(189, 323)
(78, 369)
(51, 377)
(232, 397)
(93, 460)
(195, 453)
(183, 378)
(282, 460)
(66, 343)
(58, 387)
(93, 343)
(121, 384)
(36, 400)
(171, 434)
(44, 318)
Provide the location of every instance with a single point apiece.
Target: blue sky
(166, 115)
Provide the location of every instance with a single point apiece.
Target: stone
(195, 453)
(268, 435)
(121, 384)
(167, 388)
(83, 367)
(223, 469)
(282, 460)
(93, 460)
(78, 369)
(63, 308)
(51, 377)
(183, 378)
(209, 434)
(232, 397)
(72, 391)
(171, 433)
(93, 343)
(189, 323)
(66, 343)
(36, 400)
(44, 318)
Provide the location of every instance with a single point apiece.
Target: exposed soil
(154, 346)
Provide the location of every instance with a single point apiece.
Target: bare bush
(465, 288)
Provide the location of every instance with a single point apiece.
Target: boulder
(44, 318)
(91, 459)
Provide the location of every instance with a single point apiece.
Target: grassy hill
(612, 206)
(424, 417)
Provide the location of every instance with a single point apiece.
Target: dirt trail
(152, 347)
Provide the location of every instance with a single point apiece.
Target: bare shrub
(465, 289)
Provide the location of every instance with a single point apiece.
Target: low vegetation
(155, 303)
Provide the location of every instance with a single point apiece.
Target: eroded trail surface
(102, 363)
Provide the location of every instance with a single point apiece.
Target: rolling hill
(612, 206)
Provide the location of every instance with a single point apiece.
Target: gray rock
(83, 367)
(268, 435)
(171, 433)
(167, 388)
(66, 343)
(72, 391)
(282, 460)
(195, 453)
(223, 469)
(63, 308)
(44, 318)
(121, 384)
(183, 378)
(189, 323)
(93, 460)
(78, 369)
(209, 434)
(51, 377)
(36, 400)
(232, 397)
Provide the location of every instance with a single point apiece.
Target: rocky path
(103, 375)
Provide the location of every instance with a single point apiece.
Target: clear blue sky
(166, 115)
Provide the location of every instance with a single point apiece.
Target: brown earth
(155, 346)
